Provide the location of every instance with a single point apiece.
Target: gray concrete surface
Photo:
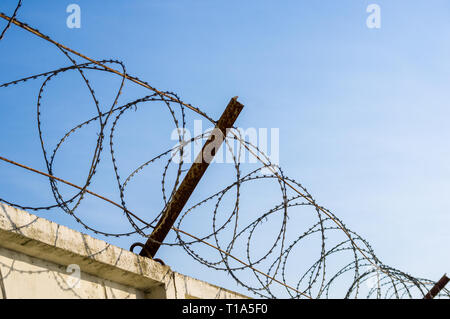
(41, 259)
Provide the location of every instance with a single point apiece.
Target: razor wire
(359, 272)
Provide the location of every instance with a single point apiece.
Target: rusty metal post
(437, 287)
(193, 176)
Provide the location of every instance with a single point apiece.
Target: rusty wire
(336, 244)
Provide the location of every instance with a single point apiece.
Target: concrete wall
(41, 259)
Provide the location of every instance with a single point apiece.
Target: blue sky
(363, 113)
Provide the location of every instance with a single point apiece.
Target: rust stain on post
(193, 176)
(437, 287)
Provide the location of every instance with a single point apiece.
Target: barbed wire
(361, 272)
(8, 25)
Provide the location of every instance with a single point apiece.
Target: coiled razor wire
(361, 274)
